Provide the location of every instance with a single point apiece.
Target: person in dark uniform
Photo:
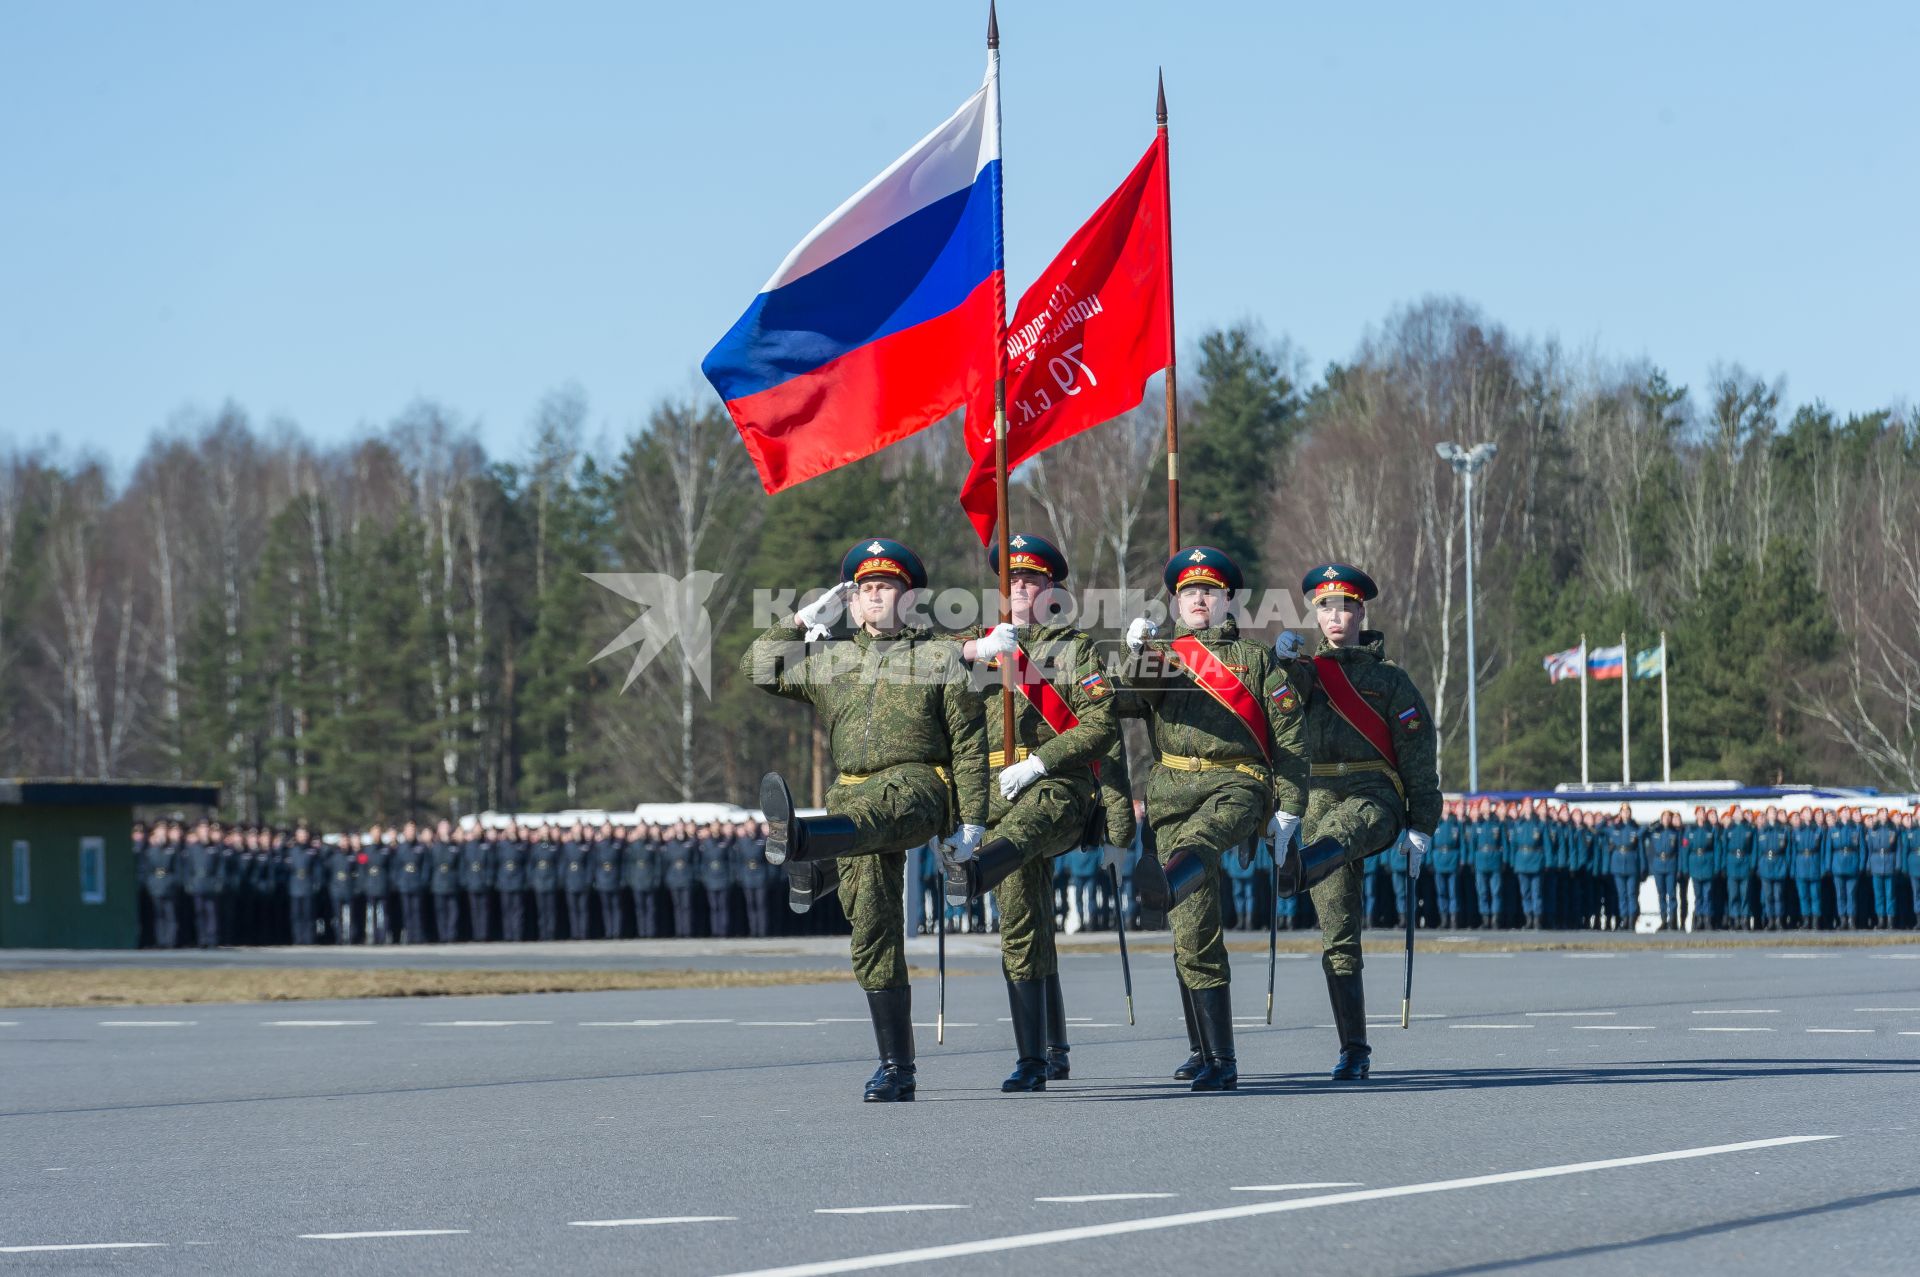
(443, 883)
(163, 873)
(640, 874)
(1486, 854)
(1772, 861)
(511, 850)
(411, 865)
(576, 877)
(1910, 858)
(678, 854)
(1807, 852)
(751, 871)
(206, 867)
(476, 879)
(1882, 840)
(1526, 844)
(376, 883)
(716, 878)
(1736, 852)
(1626, 865)
(1846, 858)
(1700, 865)
(342, 860)
(606, 881)
(543, 879)
(1661, 845)
(304, 875)
(1444, 860)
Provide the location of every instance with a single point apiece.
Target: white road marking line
(32, 1250)
(1758, 1011)
(643, 1024)
(1106, 1197)
(1614, 1028)
(954, 1024)
(315, 1024)
(1288, 1188)
(1839, 1030)
(663, 1219)
(1798, 957)
(1895, 957)
(1910, 1033)
(14, 1024)
(1548, 1015)
(1694, 957)
(1390, 1015)
(1864, 1009)
(1056, 1236)
(1582, 957)
(1728, 1029)
(1091, 1024)
(890, 1210)
(1490, 1026)
(847, 1020)
(146, 1024)
(778, 1024)
(478, 1024)
(391, 1232)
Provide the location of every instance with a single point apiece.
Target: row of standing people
(209, 884)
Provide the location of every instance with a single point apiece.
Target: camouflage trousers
(893, 810)
(1206, 813)
(1048, 818)
(1365, 825)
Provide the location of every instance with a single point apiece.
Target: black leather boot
(1311, 864)
(1349, 1000)
(992, 865)
(1057, 1048)
(1196, 1055)
(1183, 873)
(892, 1012)
(1027, 1002)
(1150, 884)
(1213, 1010)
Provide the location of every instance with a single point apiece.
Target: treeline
(403, 626)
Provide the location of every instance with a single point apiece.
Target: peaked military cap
(1338, 579)
(1029, 553)
(883, 556)
(1202, 565)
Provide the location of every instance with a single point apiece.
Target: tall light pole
(1465, 463)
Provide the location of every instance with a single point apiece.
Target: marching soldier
(606, 881)
(443, 883)
(1044, 797)
(1370, 735)
(905, 732)
(640, 874)
(1226, 725)
(576, 879)
(476, 879)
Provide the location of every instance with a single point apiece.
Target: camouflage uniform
(1209, 811)
(905, 732)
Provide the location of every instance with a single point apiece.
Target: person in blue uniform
(1661, 846)
(476, 880)
(1736, 854)
(1910, 858)
(1807, 846)
(1444, 861)
(1700, 864)
(1846, 857)
(1772, 863)
(1486, 852)
(1626, 866)
(1527, 835)
(1882, 841)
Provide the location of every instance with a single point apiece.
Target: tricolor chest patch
(1286, 698)
(1410, 718)
(1095, 685)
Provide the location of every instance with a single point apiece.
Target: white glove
(961, 845)
(996, 642)
(1112, 857)
(1280, 830)
(1417, 844)
(1021, 774)
(1288, 645)
(1139, 630)
(823, 611)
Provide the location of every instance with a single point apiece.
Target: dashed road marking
(1116, 1228)
(1570, 1015)
(1727, 1028)
(642, 1024)
(890, 1210)
(316, 1024)
(643, 1223)
(1871, 1009)
(1614, 1028)
(386, 1232)
(778, 1024)
(34, 1250)
(1751, 1011)
(1106, 1197)
(146, 1024)
(1490, 1026)
(478, 1024)
(1839, 1030)
(1288, 1188)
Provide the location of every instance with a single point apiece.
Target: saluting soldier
(905, 732)
(640, 873)
(716, 878)
(443, 883)
(751, 871)
(1225, 719)
(1045, 797)
(678, 874)
(511, 853)
(543, 878)
(606, 881)
(476, 879)
(576, 878)
(1370, 735)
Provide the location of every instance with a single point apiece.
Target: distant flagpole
(1666, 738)
(1583, 709)
(1000, 390)
(1626, 744)
(1173, 400)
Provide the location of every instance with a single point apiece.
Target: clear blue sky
(322, 211)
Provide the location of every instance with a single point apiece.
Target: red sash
(1217, 681)
(1044, 696)
(1351, 706)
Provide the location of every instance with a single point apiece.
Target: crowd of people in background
(1493, 865)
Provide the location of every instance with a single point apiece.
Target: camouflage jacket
(902, 698)
(1390, 690)
(1185, 720)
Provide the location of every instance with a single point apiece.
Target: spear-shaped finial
(993, 27)
(1160, 105)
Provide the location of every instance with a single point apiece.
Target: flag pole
(1000, 393)
(1173, 397)
(1666, 738)
(1583, 709)
(1626, 749)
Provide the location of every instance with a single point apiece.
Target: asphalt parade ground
(1614, 1110)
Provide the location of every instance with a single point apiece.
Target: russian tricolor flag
(885, 316)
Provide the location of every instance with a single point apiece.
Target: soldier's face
(1201, 606)
(1029, 593)
(876, 604)
(1339, 618)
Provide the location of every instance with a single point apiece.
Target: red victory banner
(1086, 336)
